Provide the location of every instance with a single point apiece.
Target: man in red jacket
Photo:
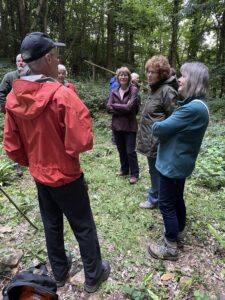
(46, 128)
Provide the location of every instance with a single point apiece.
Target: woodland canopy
(122, 32)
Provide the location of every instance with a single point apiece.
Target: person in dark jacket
(123, 105)
(46, 128)
(180, 137)
(5, 88)
(160, 104)
(6, 84)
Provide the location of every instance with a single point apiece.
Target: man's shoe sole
(104, 277)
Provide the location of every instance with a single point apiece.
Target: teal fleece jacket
(180, 137)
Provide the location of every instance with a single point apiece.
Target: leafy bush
(218, 236)
(4, 70)
(2, 118)
(5, 165)
(210, 166)
(5, 169)
(93, 95)
(216, 107)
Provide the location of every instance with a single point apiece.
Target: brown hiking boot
(166, 251)
(181, 239)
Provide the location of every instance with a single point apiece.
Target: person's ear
(48, 58)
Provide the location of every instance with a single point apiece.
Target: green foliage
(219, 237)
(217, 107)
(5, 168)
(124, 230)
(5, 171)
(4, 70)
(210, 166)
(2, 118)
(24, 201)
(93, 95)
(137, 294)
(143, 292)
(5, 164)
(199, 295)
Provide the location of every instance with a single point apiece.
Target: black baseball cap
(37, 44)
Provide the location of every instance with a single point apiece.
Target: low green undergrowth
(210, 167)
(5, 168)
(93, 94)
(125, 231)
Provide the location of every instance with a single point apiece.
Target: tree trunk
(110, 36)
(131, 48)
(12, 29)
(3, 31)
(126, 46)
(61, 14)
(99, 45)
(221, 53)
(173, 43)
(40, 20)
(22, 18)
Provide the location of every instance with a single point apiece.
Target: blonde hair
(123, 70)
(160, 64)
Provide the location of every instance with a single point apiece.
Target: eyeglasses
(123, 75)
(152, 72)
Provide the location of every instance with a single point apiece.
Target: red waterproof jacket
(46, 128)
(72, 87)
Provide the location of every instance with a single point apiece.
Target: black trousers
(126, 144)
(71, 200)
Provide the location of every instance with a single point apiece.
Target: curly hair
(123, 70)
(159, 64)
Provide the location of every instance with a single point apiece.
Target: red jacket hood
(31, 98)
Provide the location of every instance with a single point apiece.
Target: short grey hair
(197, 79)
(18, 57)
(62, 68)
(134, 76)
(36, 66)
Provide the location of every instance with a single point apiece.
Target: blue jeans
(126, 143)
(154, 177)
(172, 206)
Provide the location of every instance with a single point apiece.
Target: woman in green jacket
(159, 105)
(180, 137)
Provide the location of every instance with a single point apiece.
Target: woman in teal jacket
(180, 138)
